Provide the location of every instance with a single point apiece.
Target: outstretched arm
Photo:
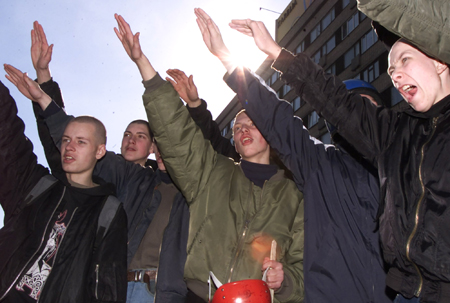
(259, 32)
(27, 86)
(200, 114)
(19, 170)
(132, 46)
(213, 39)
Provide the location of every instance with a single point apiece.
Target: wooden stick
(273, 257)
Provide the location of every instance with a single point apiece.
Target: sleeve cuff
(51, 109)
(286, 289)
(283, 61)
(199, 110)
(153, 83)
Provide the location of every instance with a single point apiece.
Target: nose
(396, 75)
(244, 128)
(132, 140)
(70, 146)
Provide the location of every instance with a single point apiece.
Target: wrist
(43, 75)
(44, 101)
(195, 103)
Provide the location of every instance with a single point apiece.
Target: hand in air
(27, 86)
(211, 34)
(41, 53)
(184, 86)
(275, 275)
(260, 34)
(129, 41)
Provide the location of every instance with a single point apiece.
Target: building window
(274, 78)
(224, 131)
(372, 72)
(395, 96)
(332, 69)
(326, 138)
(313, 119)
(350, 54)
(350, 25)
(316, 56)
(231, 123)
(300, 48)
(315, 33)
(323, 24)
(368, 40)
(286, 89)
(329, 46)
(296, 103)
(328, 19)
(345, 3)
(232, 141)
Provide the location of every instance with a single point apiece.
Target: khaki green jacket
(425, 23)
(232, 221)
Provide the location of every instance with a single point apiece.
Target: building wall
(340, 39)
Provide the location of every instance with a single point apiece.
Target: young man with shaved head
(56, 245)
(236, 209)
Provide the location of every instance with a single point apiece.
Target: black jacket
(410, 150)
(137, 188)
(342, 258)
(80, 273)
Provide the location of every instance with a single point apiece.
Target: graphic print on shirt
(33, 281)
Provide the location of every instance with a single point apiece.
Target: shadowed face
(80, 148)
(136, 143)
(249, 142)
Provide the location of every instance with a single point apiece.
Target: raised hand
(41, 53)
(275, 275)
(213, 39)
(260, 34)
(184, 86)
(27, 86)
(132, 46)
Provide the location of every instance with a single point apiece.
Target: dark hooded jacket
(409, 150)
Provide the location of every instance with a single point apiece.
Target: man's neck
(80, 181)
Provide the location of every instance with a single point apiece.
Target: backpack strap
(43, 184)
(107, 214)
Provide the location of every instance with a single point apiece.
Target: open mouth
(408, 91)
(246, 140)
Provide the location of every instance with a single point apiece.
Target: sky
(95, 74)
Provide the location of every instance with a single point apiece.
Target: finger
(245, 31)
(41, 34)
(174, 84)
(48, 53)
(191, 80)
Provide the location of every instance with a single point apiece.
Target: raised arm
(19, 170)
(366, 127)
(132, 46)
(200, 114)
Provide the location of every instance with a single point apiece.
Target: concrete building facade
(336, 36)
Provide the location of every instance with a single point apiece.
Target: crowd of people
(278, 217)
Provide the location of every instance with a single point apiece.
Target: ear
(440, 67)
(152, 148)
(101, 151)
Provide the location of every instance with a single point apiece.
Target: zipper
(40, 245)
(244, 232)
(97, 269)
(419, 204)
(57, 250)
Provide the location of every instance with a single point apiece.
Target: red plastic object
(244, 291)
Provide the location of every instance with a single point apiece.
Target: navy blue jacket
(342, 259)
